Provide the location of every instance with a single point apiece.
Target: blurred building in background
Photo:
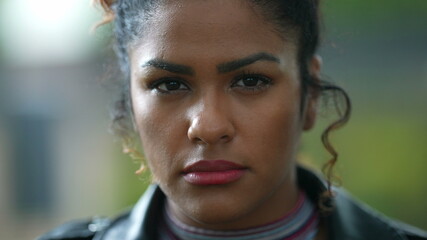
(57, 161)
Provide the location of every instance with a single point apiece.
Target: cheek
(272, 135)
(158, 128)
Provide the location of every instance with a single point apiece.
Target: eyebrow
(239, 63)
(222, 68)
(170, 67)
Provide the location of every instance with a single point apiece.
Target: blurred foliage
(382, 160)
(367, 14)
(129, 186)
(352, 9)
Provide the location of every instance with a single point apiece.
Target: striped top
(301, 223)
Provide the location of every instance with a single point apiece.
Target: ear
(315, 66)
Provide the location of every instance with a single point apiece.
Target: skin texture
(214, 115)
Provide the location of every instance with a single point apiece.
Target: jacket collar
(140, 222)
(349, 220)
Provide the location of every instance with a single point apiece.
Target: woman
(219, 92)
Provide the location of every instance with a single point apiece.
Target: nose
(211, 122)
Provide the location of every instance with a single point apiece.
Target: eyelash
(155, 85)
(262, 82)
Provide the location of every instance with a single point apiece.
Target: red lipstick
(214, 172)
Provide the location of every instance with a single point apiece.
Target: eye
(168, 86)
(251, 82)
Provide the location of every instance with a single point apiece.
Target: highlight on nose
(210, 127)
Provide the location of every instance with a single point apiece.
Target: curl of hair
(338, 95)
(108, 11)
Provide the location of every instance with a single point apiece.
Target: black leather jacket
(350, 220)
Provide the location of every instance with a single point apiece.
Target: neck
(299, 223)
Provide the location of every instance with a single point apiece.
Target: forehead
(234, 27)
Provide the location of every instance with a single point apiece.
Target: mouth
(213, 172)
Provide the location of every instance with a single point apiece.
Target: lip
(213, 172)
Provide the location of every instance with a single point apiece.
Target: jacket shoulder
(359, 221)
(411, 232)
(77, 230)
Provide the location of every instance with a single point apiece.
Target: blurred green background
(376, 50)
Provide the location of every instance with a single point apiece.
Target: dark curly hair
(301, 16)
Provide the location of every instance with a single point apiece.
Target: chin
(214, 209)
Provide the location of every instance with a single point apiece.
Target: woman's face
(216, 99)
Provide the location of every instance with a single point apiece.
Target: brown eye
(169, 85)
(251, 81)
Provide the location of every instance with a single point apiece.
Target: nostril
(225, 138)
